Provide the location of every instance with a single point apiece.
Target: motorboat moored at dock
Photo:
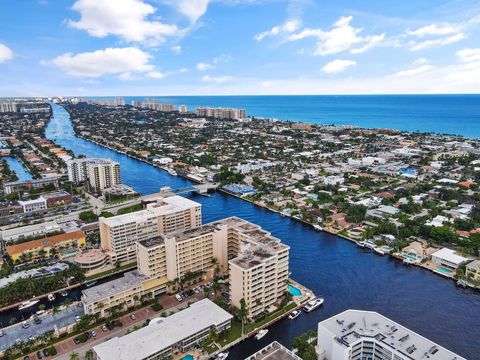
(313, 304)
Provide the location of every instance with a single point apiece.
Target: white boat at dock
(51, 297)
(379, 251)
(27, 304)
(317, 227)
(222, 356)
(313, 304)
(369, 244)
(261, 334)
(294, 314)
(171, 171)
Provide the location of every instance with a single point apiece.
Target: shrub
(157, 307)
(52, 351)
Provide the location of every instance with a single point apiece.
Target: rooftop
(352, 325)
(163, 333)
(129, 280)
(274, 351)
(449, 255)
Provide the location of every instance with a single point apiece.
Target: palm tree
(243, 312)
(89, 354)
(74, 356)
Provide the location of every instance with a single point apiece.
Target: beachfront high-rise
(99, 173)
(221, 113)
(119, 234)
(358, 335)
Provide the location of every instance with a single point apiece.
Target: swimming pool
(444, 270)
(294, 291)
(188, 357)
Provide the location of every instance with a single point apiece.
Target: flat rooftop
(351, 325)
(162, 333)
(274, 351)
(155, 241)
(171, 204)
(129, 280)
(127, 218)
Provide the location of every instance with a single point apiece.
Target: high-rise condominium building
(257, 261)
(100, 174)
(358, 335)
(119, 234)
(8, 106)
(182, 109)
(221, 113)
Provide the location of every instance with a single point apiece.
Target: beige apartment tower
(119, 234)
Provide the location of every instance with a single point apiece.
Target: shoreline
(443, 275)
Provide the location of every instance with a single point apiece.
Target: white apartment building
(33, 205)
(162, 338)
(182, 109)
(359, 335)
(8, 106)
(221, 113)
(99, 173)
(119, 234)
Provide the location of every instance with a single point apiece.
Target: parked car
(46, 352)
(133, 317)
(25, 325)
(104, 328)
(37, 321)
(93, 333)
(2, 333)
(76, 341)
(39, 355)
(88, 335)
(26, 358)
(78, 318)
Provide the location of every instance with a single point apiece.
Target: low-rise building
(30, 231)
(164, 337)
(44, 247)
(33, 205)
(357, 334)
(472, 270)
(448, 258)
(8, 208)
(61, 197)
(26, 185)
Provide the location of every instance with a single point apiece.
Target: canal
(345, 275)
(17, 167)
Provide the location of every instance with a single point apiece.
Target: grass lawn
(130, 209)
(251, 327)
(234, 334)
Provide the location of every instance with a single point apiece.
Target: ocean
(452, 114)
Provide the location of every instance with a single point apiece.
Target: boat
(317, 227)
(361, 244)
(294, 314)
(313, 304)
(51, 297)
(27, 304)
(369, 244)
(222, 356)
(64, 293)
(91, 283)
(379, 251)
(171, 172)
(261, 334)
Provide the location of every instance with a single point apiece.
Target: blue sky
(228, 47)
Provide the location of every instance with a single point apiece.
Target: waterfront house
(448, 258)
(472, 270)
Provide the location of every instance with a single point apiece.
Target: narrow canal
(347, 276)
(17, 167)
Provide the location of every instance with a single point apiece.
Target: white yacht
(313, 304)
(317, 227)
(171, 172)
(222, 356)
(294, 314)
(27, 304)
(261, 334)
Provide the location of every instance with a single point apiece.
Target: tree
(89, 355)
(74, 356)
(243, 312)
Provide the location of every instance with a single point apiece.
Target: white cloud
(216, 79)
(204, 66)
(421, 61)
(415, 46)
(469, 55)
(414, 71)
(183, 70)
(288, 27)
(338, 66)
(342, 37)
(434, 29)
(176, 49)
(128, 19)
(193, 9)
(5, 53)
(155, 75)
(120, 61)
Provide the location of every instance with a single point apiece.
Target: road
(49, 321)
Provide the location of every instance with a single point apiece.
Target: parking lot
(49, 322)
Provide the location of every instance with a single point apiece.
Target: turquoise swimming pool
(444, 270)
(294, 291)
(188, 357)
